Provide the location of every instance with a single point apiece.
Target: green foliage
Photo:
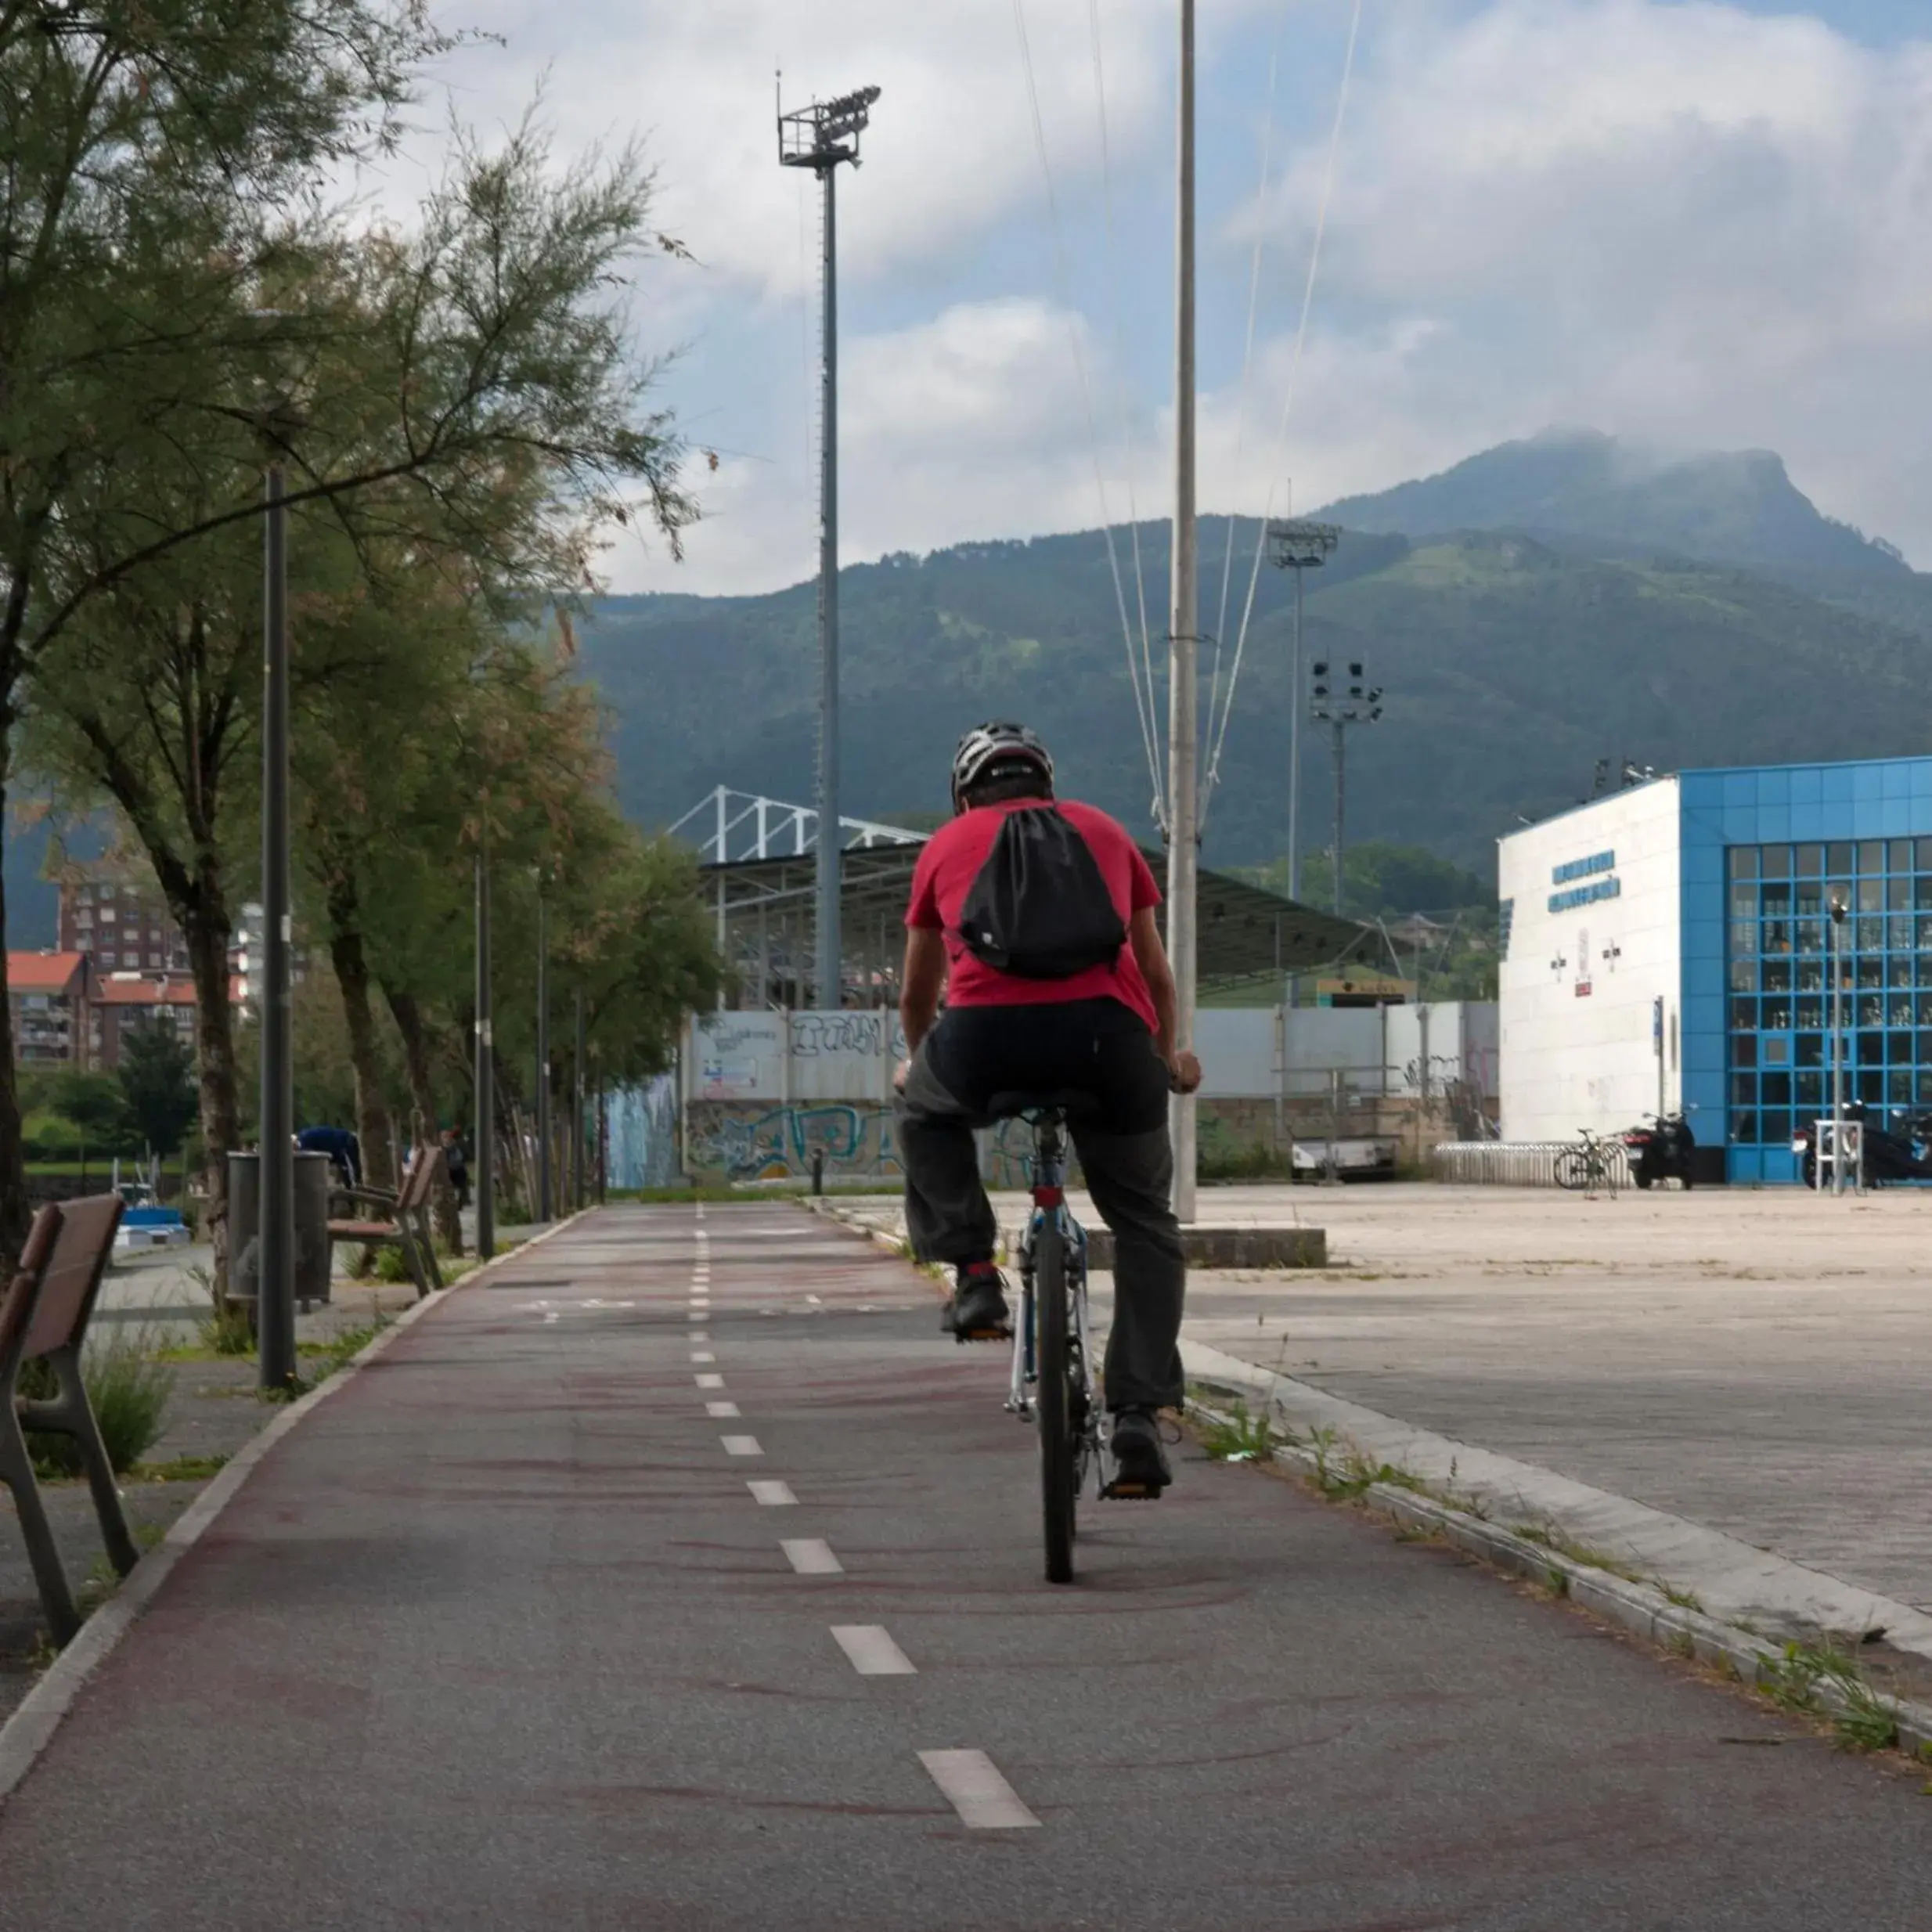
(128, 1389)
(97, 1106)
(1511, 666)
(156, 1075)
(1382, 881)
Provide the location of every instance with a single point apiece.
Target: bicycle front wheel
(1054, 1405)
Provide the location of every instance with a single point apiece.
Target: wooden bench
(44, 1318)
(408, 1225)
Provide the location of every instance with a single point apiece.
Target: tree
(96, 1105)
(472, 417)
(152, 159)
(156, 1078)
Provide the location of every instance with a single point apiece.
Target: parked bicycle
(1591, 1166)
(1056, 1381)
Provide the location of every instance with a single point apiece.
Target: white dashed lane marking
(702, 1355)
(773, 1495)
(740, 1445)
(812, 1556)
(871, 1650)
(722, 1412)
(972, 1782)
(709, 1381)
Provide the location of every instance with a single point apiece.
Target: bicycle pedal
(1121, 1490)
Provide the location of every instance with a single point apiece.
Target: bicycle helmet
(994, 750)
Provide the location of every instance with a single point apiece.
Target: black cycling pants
(1096, 1047)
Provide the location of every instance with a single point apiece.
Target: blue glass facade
(1763, 851)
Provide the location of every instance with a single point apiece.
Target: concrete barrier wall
(761, 1094)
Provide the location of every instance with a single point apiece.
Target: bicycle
(1054, 1383)
(1590, 1167)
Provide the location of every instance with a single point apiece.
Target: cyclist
(1017, 889)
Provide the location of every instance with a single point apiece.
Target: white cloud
(1679, 220)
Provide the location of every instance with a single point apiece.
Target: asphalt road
(503, 1636)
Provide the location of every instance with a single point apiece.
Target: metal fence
(1517, 1164)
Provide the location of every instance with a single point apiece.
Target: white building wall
(1580, 983)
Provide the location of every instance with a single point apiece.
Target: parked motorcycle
(1660, 1148)
(1890, 1154)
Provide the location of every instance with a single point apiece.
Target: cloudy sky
(1706, 224)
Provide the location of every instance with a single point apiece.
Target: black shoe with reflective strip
(1140, 1469)
(978, 1310)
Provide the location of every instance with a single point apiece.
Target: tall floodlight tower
(1300, 546)
(821, 137)
(1338, 702)
(1183, 857)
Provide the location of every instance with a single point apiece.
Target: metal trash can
(311, 1228)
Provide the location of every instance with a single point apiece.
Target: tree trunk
(209, 934)
(408, 1016)
(371, 1110)
(15, 1213)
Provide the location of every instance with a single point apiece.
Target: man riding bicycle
(1034, 916)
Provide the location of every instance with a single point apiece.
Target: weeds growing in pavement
(1241, 1437)
(1683, 1599)
(1796, 1676)
(229, 1330)
(178, 1469)
(128, 1387)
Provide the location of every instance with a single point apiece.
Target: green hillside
(1511, 667)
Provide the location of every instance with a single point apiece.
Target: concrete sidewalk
(680, 1574)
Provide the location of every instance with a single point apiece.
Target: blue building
(1671, 944)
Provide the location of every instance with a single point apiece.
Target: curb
(1639, 1608)
(30, 1729)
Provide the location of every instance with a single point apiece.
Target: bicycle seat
(1067, 1103)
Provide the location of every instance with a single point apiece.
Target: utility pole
(1296, 545)
(577, 1112)
(1183, 697)
(1337, 705)
(821, 137)
(544, 1203)
(486, 1083)
(275, 1278)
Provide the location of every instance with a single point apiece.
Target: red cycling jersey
(951, 862)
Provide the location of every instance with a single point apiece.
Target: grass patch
(1241, 1437)
(128, 1391)
(1795, 1678)
(178, 1469)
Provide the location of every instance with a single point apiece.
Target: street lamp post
(486, 1083)
(275, 1278)
(543, 1057)
(1838, 907)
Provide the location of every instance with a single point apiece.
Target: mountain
(1721, 507)
(1511, 665)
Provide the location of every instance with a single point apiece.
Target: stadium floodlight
(1295, 544)
(1340, 695)
(823, 138)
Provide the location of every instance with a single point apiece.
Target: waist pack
(1039, 908)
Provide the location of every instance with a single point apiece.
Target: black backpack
(1039, 908)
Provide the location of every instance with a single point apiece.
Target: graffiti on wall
(759, 1142)
(865, 1034)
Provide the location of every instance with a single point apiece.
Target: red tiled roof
(143, 990)
(44, 972)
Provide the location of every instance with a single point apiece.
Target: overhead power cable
(1294, 376)
(1142, 706)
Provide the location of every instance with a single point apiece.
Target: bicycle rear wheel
(1054, 1404)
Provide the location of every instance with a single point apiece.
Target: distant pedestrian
(457, 1164)
(340, 1145)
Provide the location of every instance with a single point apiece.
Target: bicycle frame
(1048, 1188)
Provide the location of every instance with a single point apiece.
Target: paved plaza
(1754, 1360)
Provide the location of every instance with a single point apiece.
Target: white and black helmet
(997, 749)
